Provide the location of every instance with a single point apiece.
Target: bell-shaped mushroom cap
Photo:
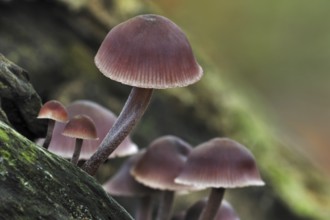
(148, 51)
(225, 211)
(123, 184)
(53, 110)
(103, 119)
(82, 127)
(161, 163)
(220, 162)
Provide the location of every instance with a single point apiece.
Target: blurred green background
(276, 52)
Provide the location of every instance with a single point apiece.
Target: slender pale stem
(133, 110)
(165, 207)
(213, 204)
(144, 209)
(76, 153)
(51, 124)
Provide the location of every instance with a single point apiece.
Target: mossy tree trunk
(35, 184)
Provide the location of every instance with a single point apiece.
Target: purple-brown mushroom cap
(161, 163)
(148, 51)
(53, 110)
(220, 163)
(82, 127)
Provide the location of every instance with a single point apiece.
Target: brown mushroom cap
(148, 51)
(82, 127)
(123, 184)
(220, 162)
(103, 119)
(161, 163)
(53, 110)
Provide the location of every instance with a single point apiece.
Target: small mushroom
(147, 52)
(219, 163)
(103, 119)
(124, 185)
(55, 112)
(80, 127)
(158, 167)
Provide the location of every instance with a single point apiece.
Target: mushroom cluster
(169, 164)
(149, 52)
(79, 135)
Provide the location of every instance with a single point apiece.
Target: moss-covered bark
(35, 184)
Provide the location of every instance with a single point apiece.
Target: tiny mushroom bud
(158, 167)
(123, 184)
(219, 163)
(80, 127)
(147, 52)
(54, 111)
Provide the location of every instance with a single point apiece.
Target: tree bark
(36, 184)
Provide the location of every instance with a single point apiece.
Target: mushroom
(80, 127)
(219, 163)
(124, 185)
(224, 212)
(158, 167)
(103, 119)
(146, 52)
(54, 111)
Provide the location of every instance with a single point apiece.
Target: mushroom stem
(77, 149)
(131, 113)
(165, 206)
(213, 204)
(144, 209)
(51, 125)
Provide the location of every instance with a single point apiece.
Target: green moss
(29, 156)
(3, 136)
(6, 158)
